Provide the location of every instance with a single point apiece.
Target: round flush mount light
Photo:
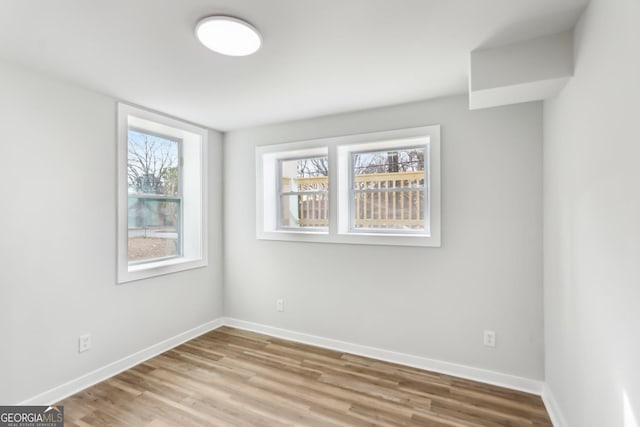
(228, 35)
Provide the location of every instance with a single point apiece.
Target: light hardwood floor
(230, 377)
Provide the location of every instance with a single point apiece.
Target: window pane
(154, 229)
(388, 189)
(308, 180)
(153, 164)
(301, 175)
(389, 210)
(304, 210)
(396, 162)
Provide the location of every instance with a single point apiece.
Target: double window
(161, 187)
(380, 188)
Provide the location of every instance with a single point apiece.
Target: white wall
(592, 224)
(58, 242)
(430, 302)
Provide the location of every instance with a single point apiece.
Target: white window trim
(338, 149)
(345, 180)
(194, 191)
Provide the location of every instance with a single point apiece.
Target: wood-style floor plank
(234, 378)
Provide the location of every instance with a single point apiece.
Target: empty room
(320, 213)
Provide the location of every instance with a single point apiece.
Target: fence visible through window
(304, 192)
(393, 200)
(385, 200)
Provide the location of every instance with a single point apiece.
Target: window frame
(192, 188)
(338, 149)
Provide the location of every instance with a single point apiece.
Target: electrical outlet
(490, 338)
(84, 343)
(280, 305)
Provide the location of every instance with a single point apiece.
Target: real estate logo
(31, 416)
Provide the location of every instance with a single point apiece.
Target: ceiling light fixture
(228, 35)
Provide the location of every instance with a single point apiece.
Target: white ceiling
(318, 57)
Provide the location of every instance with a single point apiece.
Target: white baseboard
(58, 393)
(462, 371)
(553, 408)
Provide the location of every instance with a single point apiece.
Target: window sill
(299, 231)
(381, 234)
(376, 239)
(159, 268)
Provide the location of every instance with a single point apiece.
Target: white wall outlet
(490, 338)
(84, 343)
(280, 305)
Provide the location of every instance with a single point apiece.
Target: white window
(161, 188)
(387, 189)
(380, 188)
(292, 191)
(303, 196)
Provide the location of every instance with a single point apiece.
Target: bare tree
(388, 162)
(152, 165)
(313, 167)
(368, 163)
